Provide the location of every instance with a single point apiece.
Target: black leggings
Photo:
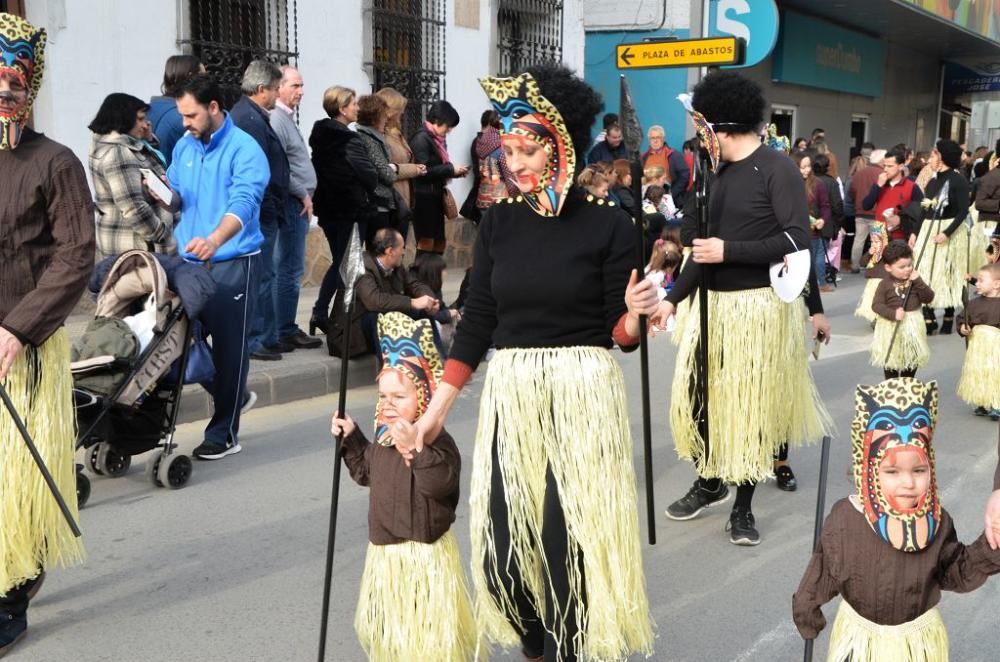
(536, 639)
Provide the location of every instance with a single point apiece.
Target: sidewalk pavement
(302, 374)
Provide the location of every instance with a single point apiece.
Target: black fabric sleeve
(872, 198)
(618, 265)
(680, 174)
(785, 191)
(424, 152)
(958, 201)
(474, 333)
(363, 167)
(814, 302)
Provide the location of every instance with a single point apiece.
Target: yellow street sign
(680, 53)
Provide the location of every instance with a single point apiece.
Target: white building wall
(96, 48)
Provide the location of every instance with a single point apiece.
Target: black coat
(251, 118)
(346, 177)
(438, 172)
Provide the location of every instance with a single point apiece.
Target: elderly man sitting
(386, 286)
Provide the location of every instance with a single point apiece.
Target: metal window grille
(227, 35)
(528, 32)
(408, 53)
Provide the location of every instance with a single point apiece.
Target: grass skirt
(761, 391)
(414, 604)
(950, 262)
(981, 233)
(979, 384)
(864, 309)
(563, 408)
(33, 533)
(910, 351)
(855, 638)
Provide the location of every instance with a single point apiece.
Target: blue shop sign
(963, 80)
(755, 21)
(815, 53)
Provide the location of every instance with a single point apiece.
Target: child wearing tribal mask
(890, 549)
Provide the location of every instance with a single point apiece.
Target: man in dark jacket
(251, 113)
(610, 149)
(386, 286)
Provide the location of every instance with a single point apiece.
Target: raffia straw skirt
(909, 351)
(34, 533)
(761, 391)
(864, 309)
(943, 266)
(979, 384)
(855, 638)
(564, 409)
(982, 231)
(414, 604)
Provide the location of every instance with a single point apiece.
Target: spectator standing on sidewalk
(252, 114)
(861, 184)
(46, 257)
(610, 149)
(400, 154)
(168, 127)
(895, 199)
(290, 252)
(218, 181)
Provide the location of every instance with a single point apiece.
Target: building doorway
(15, 7)
(783, 119)
(859, 134)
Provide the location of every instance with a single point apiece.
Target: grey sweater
(303, 176)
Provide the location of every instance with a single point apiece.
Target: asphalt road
(230, 568)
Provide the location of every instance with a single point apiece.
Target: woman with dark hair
(623, 187)
(127, 215)
(557, 565)
(345, 189)
(431, 150)
(819, 211)
(492, 180)
(168, 127)
(831, 230)
(761, 394)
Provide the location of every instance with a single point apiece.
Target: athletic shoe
(210, 451)
(995, 414)
(981, 411)
(786, 478)
(742, 528)
(248, 402)
(696, 500)
(12, 628)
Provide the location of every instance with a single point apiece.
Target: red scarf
(439, 142)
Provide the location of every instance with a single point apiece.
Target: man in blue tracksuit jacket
(218, 175)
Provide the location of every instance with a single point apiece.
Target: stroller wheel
(152, 468)
(174, 471)
(92, 463)
(111, 462)
(82, 489)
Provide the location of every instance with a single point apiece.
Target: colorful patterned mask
(776, 142)
(879, 235)
(525, 114)
(897, 414)
(22, 56)
(407, 346)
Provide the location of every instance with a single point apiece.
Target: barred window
(227, 35)
(528, 32)
(408, 53)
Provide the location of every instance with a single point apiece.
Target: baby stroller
(128, 405)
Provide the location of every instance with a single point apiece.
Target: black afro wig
(727, 99)
(577, 102)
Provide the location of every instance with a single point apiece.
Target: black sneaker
(281, 347)
(696, 500)
(981, 411)
(786, 478)
(12, 628)
(742, 528)
(210, 451)
(265, 354)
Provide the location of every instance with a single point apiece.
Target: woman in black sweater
(556, 563)
(431, 150)
(761, 395)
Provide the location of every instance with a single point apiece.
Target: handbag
(450, 206)
(200, 367)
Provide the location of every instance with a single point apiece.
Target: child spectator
(662, 267)
(979, 384)
(414, 604)
(894, 308)
(890, 548)
(597, 178)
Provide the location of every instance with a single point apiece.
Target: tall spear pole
(824, 466)
(632, 135)
(701, 199)
(351, 269)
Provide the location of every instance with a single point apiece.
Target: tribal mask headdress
(879, 235)
(527, 115)
(22, 56)
(774, 141)
(893, 415)
(407, 346)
